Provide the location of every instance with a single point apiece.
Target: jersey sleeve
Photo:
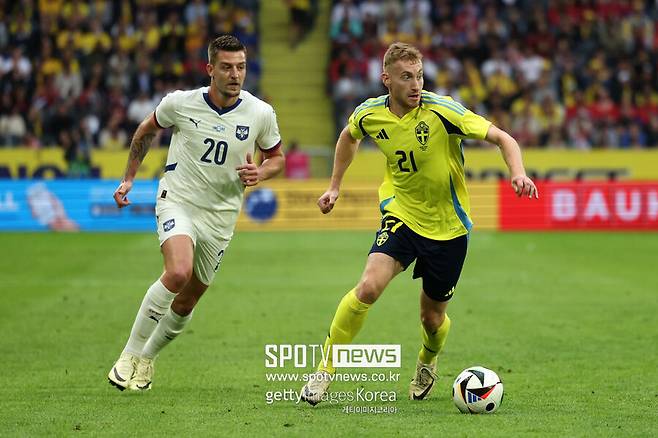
(165, 112)
(465, 122)
(353, 124)
(356, 120)
(269, 136)
(474, 125)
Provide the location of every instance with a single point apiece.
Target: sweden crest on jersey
(422, 134)
(242, 132)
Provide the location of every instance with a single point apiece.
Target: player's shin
(347, 322)
(170, 326)
(433, 342)
(155, 304)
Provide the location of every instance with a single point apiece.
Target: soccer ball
(477, 390)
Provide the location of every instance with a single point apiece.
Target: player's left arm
(273, 159)
(273, 163)
(521, 183)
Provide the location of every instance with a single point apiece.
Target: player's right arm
(139, 146)
(346, 148)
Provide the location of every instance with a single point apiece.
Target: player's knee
(432, 318)
(369, 289)
(179, 276)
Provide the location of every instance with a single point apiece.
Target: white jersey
(208, 143)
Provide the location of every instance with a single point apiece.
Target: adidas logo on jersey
(382, 135)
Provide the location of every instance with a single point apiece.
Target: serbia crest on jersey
(208, 143)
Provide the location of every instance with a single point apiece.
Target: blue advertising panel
(68, 205)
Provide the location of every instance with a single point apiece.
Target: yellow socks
(347, 322)
(433, 342)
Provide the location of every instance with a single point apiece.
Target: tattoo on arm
(138, 149)
(140, 146)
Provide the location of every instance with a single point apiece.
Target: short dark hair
(227, 43)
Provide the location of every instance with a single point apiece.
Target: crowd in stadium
(83, 74)
(558, 73)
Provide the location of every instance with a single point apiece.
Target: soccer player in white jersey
(215, 132)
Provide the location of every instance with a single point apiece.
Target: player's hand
(523, 186)
(327, 201)
(248, 172)
(121, 193)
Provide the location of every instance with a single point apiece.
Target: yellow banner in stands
(291, 205)
(50, 163)
(556, 165)
(481, 165)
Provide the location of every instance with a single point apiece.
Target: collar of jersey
(414, 112)
(217, 109)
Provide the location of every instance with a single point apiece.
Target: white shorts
(175, 219)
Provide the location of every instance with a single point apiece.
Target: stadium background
(575, 81)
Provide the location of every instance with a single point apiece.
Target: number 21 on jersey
(402, 162)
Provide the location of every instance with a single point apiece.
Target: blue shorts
(438, 262)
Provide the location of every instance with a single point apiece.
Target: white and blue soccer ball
(477, 390)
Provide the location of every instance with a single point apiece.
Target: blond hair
(404, 51)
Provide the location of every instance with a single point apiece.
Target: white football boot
(123, 370)
(316, 388)
(141, 381)
(423, 381)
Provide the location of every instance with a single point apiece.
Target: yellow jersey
(424, 184)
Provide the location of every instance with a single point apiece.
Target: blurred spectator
(148, 32)
(652, 131)
(531, 65)
(301, 20)
(50, 64)
(525, 126)
(78, 156)
(550, 115)
(173, 33)
(69, 80)
(142, 78)
(632, 136)
(417, 17)
(497, 63)
(345, 10)
(94, 37)
(297, 162)
(196, 10)
(138, 109)
(112, 136)
(17, 63)
(12, 128)
(120, 68)
(60, 123)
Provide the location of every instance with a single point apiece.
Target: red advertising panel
(582, 206)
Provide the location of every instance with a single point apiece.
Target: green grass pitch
(568, 320)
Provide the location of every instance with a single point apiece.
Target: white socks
(153, 309)
(170, 326)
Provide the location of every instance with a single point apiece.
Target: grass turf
(568, 320)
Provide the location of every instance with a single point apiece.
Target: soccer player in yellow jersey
(424, 204)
